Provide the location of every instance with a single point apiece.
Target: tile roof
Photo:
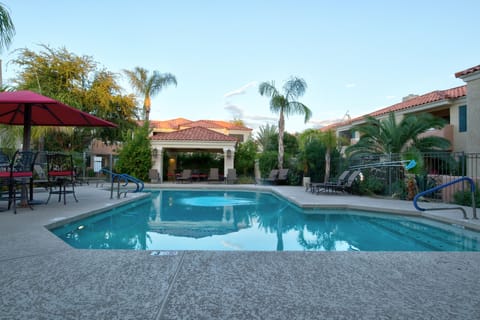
(434, 96)
(175, 124)
(193, 134)
(467, 71)
(430, 97)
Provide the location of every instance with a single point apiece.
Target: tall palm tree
(7, 31)
(148, 85)
(285, 104)
(387, 136)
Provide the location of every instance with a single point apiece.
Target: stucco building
(459, 106)
(183, 135)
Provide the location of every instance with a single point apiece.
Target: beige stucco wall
(459, 138)
(473, 114)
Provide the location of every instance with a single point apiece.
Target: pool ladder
(122, 180)
(472, 190)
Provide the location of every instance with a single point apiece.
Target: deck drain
(164, 253)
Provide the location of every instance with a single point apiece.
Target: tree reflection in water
(250, 221)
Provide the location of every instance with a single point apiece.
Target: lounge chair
(231, 176)
(213, 175)
(282, 176)
(186, 176)
(272, 177)
(154, 176)
(316, 186)
(344, 187)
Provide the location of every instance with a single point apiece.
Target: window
(462, 118)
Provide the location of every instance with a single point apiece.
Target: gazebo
(195, 139)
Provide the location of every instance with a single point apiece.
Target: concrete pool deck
(41, 277)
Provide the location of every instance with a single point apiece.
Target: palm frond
(7, 29)
(268, 89)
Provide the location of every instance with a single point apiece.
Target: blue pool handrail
(125, 178)
(472, 190)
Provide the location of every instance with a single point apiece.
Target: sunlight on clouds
(240, 90)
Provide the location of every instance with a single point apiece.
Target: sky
(355, 56)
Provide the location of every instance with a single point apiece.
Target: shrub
(135, 156)
(464, 198)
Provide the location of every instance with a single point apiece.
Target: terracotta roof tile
(434, 96)
(217, 124)
(168, 124)
(467, 71)
(194, 134)
(430, 97)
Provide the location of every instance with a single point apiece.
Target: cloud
(261, 118)
(238, 112)
(235, 110)
(323, 123)
(350, 85)
(240, 90)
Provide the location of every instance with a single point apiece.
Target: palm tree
(329, 139)
(148, 86)
(7, 31)
(285, 104)
(387, 136)
(265, 134)
(304, 139)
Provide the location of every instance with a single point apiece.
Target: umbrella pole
(27, 126)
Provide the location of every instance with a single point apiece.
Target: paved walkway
(43, 278)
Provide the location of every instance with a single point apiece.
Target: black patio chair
(61, 174)
(18, 177)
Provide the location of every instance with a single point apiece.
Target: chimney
(409, 97)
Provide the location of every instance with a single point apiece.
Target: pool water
(256, 221)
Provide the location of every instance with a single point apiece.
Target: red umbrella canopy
(45, 111)
(29, 108)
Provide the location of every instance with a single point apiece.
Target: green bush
(135, 157)
(464, 198)
(371, 185)
(245, 158)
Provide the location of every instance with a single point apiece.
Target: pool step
(436, 239)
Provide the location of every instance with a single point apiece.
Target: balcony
(446, 132)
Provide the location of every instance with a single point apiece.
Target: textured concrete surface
(43, 278)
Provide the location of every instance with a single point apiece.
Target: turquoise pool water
(255, 221)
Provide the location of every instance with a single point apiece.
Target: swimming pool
(256, 221)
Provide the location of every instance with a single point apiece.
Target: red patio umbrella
(29, 108)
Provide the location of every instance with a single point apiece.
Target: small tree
(135, 156)
(245, 157)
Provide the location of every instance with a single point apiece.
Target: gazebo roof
(193, 134)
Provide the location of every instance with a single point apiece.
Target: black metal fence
(383, 175)
(387, 175)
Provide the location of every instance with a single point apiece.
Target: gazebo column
(228, 159)
(159, 161)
